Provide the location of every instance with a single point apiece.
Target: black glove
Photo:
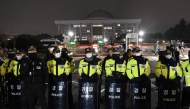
(143, 76)
(136, 79)
(178, 78)
(161, 78)
(114, 74)
(46, 86)
(83, 75)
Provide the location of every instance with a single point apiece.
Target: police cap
(20, 51)
(30, 48)
(161, 53)
(49, 46)
(11, 50)
(56, 50)
(168, 52)
(65, 50)
(136, 49)
(109, 49)
(87, 50)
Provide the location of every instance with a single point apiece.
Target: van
(52, 41)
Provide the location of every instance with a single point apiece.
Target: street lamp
(141, 33)
(140, 39)
(105, 40)
(70, 33)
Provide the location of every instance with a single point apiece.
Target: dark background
(37, 16)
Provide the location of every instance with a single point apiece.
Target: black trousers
(185, 101)
(35, 90)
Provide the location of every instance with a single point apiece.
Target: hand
(114, 74)
(178, 78)
(161, 78)
(143, 76)
(83, 75)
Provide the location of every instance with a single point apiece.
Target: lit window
(88, 31)
(97, 25)
(84, 25)
(109, 28)
(118, 24)
(76, 25)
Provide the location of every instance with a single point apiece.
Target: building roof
(99, 14)
(60, 22)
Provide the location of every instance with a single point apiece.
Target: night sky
(37, 16)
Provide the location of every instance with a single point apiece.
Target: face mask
(168, 56)
(138, 54)
(57, 55)
(89, 55)
(11, 56)
(51, 49)
(19, 57)
(32, 56)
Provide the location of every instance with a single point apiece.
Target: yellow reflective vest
(14, 67)
(186, 72)
(72, 64)
(136, 70)
(112, 65)
(171, 73)
(5, 67)
(90, 68)
(1, 72)
(63, 67)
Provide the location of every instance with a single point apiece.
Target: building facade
(99, 25)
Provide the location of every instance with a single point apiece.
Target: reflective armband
(128, 68)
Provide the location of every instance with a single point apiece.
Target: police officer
(158, 63)
(115, 66)
(71, 61)
(89, 68)
(59, 70)
(138, 70)
(137, 66)
(17, 98)
(109, 56)
(127, 55)
(49, 55)
(35, 74)
(89, 71)
(5, 68)
(185, 102)
(169, 74)
(7, 61)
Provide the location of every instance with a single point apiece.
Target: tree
(177, 31)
